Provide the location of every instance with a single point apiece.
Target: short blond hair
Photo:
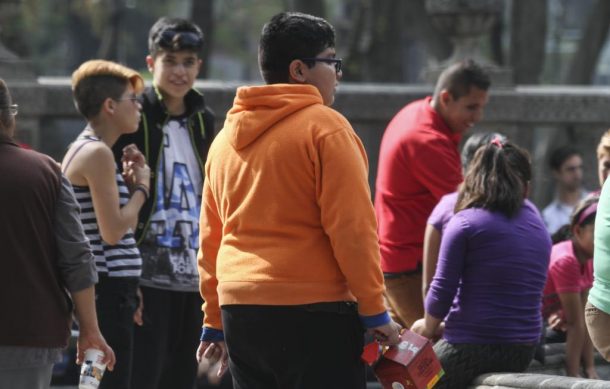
(97, 80)
(603, 148)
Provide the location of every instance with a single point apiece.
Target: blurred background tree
(543, 41)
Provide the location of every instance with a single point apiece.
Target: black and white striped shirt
(120, 260)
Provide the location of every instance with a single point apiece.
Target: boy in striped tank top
(110, 199)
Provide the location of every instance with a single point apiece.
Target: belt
(340, 307)
(417, 270)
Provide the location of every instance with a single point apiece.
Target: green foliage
(237, 31)
(57, 35)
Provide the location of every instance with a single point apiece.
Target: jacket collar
(193, 100)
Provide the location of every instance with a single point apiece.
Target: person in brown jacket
(46, 264)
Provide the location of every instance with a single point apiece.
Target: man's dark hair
(174, 34)
(496, 179)
(289, 36)
(560, 155)
(458, 78)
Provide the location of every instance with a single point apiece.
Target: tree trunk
(582, 68)
(495, 41)
(202, 13)
(528, 39)
(384, 60)
(354, 36)
(437, 44)
(109, 47)
(381, 35)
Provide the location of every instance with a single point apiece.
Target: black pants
(165, 346)
(464, 362)
(294, 347)
(116, 302)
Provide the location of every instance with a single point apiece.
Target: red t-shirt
(418, 163)
(566, 275)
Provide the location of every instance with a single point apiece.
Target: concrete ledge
(554, 362)
(528, 380)
(549, 375)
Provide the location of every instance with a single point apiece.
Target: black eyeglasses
(132, 98)
(335, 61)
(178, 40)
(12, 109)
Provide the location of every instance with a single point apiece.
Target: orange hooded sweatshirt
(286, 215)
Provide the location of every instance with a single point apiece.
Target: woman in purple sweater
(493, 260)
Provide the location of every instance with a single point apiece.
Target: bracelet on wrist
(142, 189)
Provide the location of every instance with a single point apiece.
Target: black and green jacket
(149, 139)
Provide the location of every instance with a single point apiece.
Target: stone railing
(551, 375)
(531, 116)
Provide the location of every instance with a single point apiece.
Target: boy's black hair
(560, 155)
(174, 34)
(289, 36)
(458, 78)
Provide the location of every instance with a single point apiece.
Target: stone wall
(530, 116)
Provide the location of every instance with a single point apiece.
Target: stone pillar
(466, 22)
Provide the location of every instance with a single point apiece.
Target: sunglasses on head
(178, 40)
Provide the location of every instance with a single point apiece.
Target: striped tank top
(122, 259)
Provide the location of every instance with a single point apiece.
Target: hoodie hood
(258, 108)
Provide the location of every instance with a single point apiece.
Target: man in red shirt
(419, 162)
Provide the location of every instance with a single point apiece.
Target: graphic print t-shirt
(169, 248)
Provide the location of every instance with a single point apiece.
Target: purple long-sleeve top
(497, 267)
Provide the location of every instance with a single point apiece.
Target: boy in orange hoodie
(289, 255)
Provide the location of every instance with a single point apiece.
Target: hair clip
(497, 142)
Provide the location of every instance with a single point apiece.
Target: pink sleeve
(565, 272)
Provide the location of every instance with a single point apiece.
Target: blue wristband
(375, 320)
(212, 335)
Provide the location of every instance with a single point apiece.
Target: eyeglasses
(178, 40)
(335, 61)
(12, 109)
(132, 98)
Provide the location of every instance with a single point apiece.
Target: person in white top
(567, 166)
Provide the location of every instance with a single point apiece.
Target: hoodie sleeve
(210, 234)
(348, 216)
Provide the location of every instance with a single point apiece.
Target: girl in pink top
(569, 279)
